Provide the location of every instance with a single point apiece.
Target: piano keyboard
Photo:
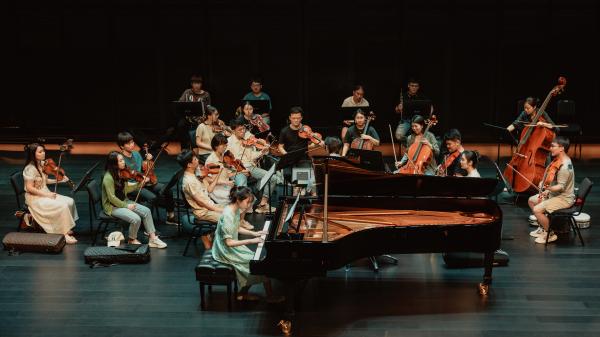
(260, 245)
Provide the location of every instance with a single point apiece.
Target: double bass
(419, 154)
(530, 157)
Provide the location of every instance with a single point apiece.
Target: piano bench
(210, 272)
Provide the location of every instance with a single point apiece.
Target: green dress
(239, 257)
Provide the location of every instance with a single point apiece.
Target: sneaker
(70, 240)
(542, 239)
(538, 232)
(172, 220)
(157, 243)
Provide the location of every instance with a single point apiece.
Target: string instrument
(260, 144)
(360, 143)
(259, 123)
(449, 159)
(221, 127)
(148, 168)
(230, 161)
(51, 168)
(307, 133)
(419, 155)
(209, 169)
(550, 174)
(128, 173)
(534, 146)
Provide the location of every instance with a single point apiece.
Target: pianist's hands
(256, 240)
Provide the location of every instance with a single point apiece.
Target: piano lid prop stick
(393, 146)
(326, 202)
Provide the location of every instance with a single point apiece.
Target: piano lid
(348, 178)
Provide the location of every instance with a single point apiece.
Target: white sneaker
(157, 243)
(538, 232)
(542, 239)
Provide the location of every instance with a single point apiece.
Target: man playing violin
(290, 140)
(530, 107)
(557, 189)
(357, 131)
(450, 165)
(151, 192)
(207, 130)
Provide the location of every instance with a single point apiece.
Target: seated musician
(230, 249)
(530, 108)
(411, 94)
(249, 155)
(55, 213)
(251, 120)
(116, 204)
(418, 127)
(151, 193)
(451, 163)
(558, 194)
(333, 145)
(356, 100)
(196, 193)
(357, 131)
(195, 93)
(256, 94)
(206, 131)
(468, 163)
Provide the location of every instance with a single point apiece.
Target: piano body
(373, 213)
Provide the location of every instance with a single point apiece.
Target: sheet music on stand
(290, 213)
(265, 179)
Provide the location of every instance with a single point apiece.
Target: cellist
(557, 189)
(427, 138)
(357, 131)
(530, 107)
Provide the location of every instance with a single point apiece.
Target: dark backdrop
(91, 67)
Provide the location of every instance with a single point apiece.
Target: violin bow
(524, 178)
(150, 168)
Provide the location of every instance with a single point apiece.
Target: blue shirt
(262, 97)
(134, 162)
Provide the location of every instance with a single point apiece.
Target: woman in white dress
(468, 162)
(55, 213)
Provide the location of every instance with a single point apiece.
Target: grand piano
(362, 213)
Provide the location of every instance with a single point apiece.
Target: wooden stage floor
(543, 292)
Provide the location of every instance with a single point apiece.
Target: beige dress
(55, 216)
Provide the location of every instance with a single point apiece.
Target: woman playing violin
(418, 127)
(55, 213)
(207, 130)
(357, 131)
(451, 163)
(526, 116)
(254, 122)
(557, 189)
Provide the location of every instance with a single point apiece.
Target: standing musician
(451, 164)
(411, 94)
(557, 189)
(357, 131)
(116, 204)
(194, 94)
(256, 94)
(151, 192)
(239, 144)
(418, 127)
(356, 100)
(207, 130)
(468, 163)
(55, 213)
(530, 107)
(255, 123)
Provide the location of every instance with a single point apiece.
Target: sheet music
(266, 177)
(290, 212)
(260, 245)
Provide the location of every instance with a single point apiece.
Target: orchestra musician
(530, 107)
(418, 127)
(257, 94)
(356, 100)
(152, 193)
(333, 145)
(406, 97)
(195, 93)
(254, 122)
(357, 131)
(468, 163)
(557, 189)
(451, 163)
(55, 213)
(115, 202)
(207, 130)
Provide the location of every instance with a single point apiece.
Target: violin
(209, 169)
(148, 168)
(221, 127)
(360, 143)
(449, 159)
(260, 144)
(259, 123)
(307, 133)
(131, 174)
(51, 168)
(230, 161)
(419, 155)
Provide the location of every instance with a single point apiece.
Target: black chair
(175, 181)
(570, 213)
(565, 114)
(199, 228)
(18, 185)
(96, 212)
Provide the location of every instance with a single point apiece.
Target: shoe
(70, 240)
(538, 232)
(134, 242)
(275, 299)
(542, 239)
(247, 297)
(172, 220)
(157, 243)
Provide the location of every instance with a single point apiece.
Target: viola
(231, 161)
(550, 175)
(51, 168)
(130, 174)
(259, 123)
(209, 169)
(148, 168)
(360, 143)
(443, 167)
(419, 155)
(307, 133)
(260, 144)
(534, 145)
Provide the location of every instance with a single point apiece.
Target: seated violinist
(55, 213)
(451, 164)
(151, 192)
(289, 138)
(357, 132)
(254, 123)
(206, 131)
(427, 138)
(244, 147)
(557, 189)
(468, 163)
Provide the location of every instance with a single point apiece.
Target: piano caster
(285, 326)
(483, 289)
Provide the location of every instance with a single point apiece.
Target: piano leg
(488, 263)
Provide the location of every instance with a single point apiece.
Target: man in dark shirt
(289, 140)
(411, 103)
(454, 149)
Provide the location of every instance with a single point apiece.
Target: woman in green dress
(228, 248)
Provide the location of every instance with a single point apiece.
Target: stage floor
(543, 292)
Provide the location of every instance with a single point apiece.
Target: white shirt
(250, 154)
(349, 102)
(474, 174)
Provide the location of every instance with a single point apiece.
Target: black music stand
(185, 109)
(85, 179)
(369, 159)
(288, 160)
(502, 138)
(260, 106)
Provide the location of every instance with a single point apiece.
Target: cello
(360, 143)
(530, 157)
(418, 154)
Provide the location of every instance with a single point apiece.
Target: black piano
(373, 213)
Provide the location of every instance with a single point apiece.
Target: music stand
(264, 180)
(288, 160)
(411, 107)
(505, 183)
(369, 159)
(290, 215)
(501, 138)
(260, 106)
(86, 177)
(184, 109)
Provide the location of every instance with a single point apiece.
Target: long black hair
(30, 150)
(239, 193)
(112, 167)
(472, 156)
